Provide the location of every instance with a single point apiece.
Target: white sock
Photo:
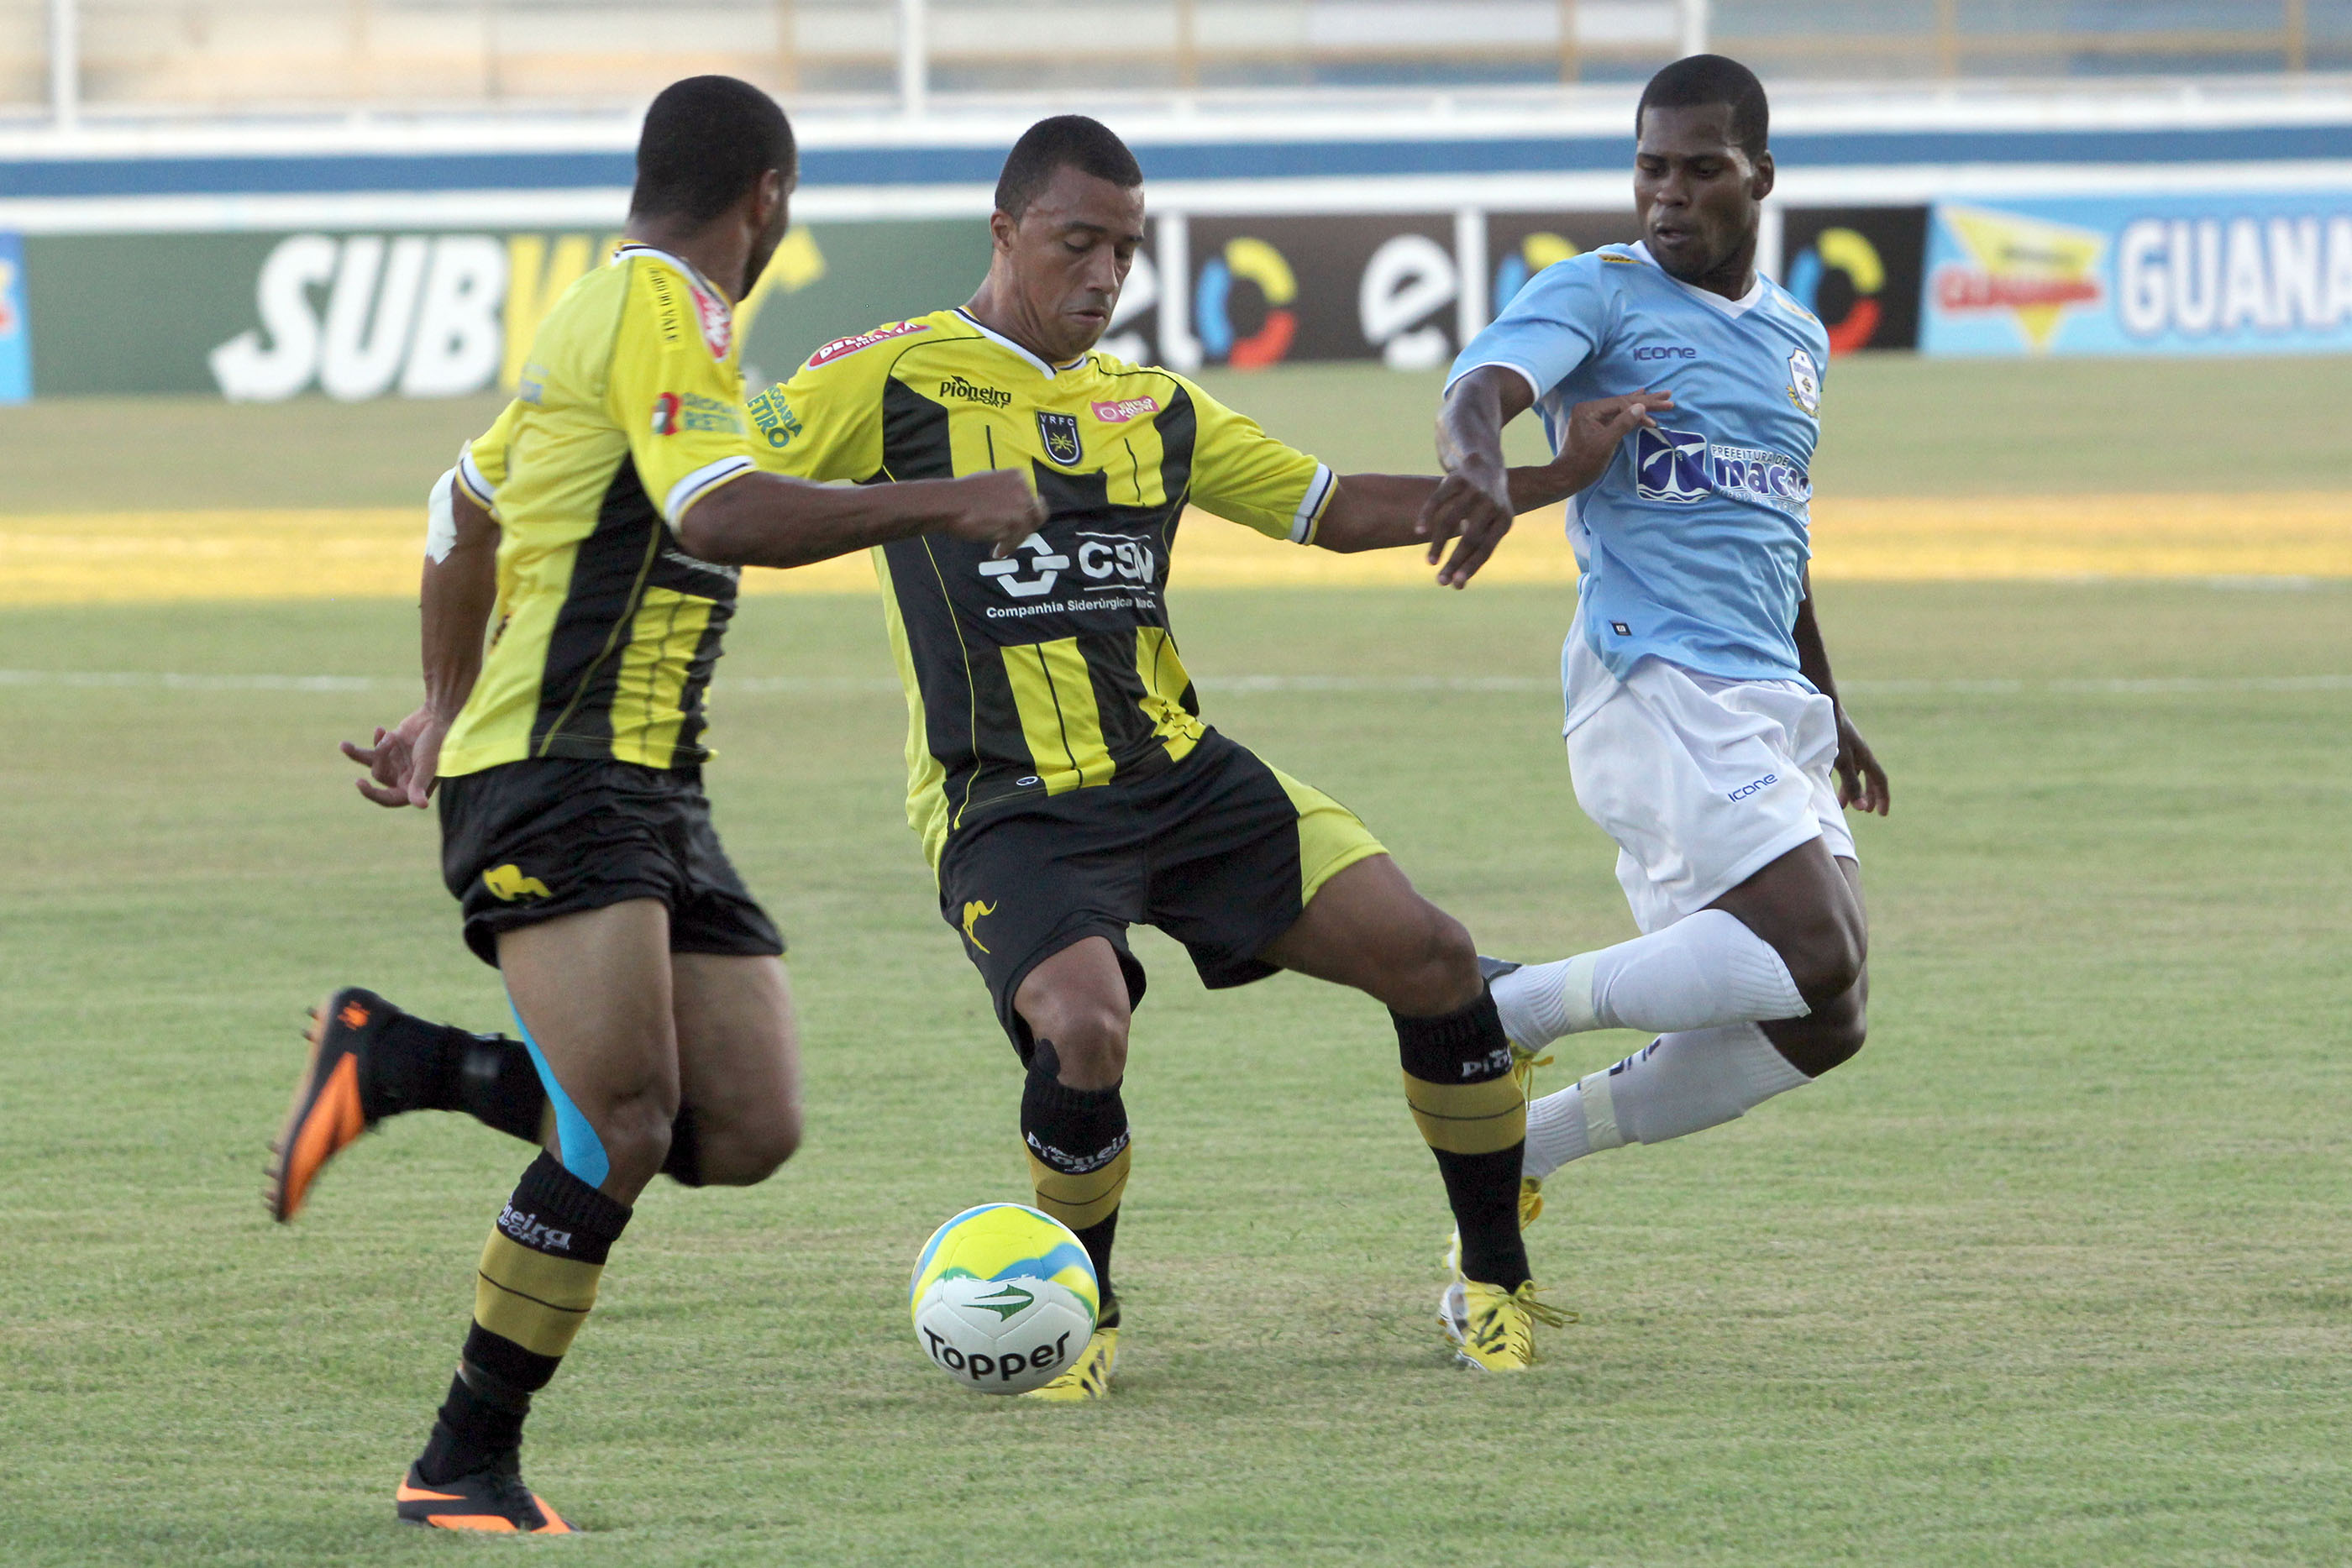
(1676, 1084)
(1698, 973)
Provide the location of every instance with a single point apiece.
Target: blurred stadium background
(2054, 1273)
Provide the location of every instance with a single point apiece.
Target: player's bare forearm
(767, 520)
(1470, 420)
(1813, 655)
(1861, 780)
(1383, 511)
(456, 599)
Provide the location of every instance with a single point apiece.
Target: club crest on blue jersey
(1060, 434)
(1805, 383)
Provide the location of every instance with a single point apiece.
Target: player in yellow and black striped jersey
(1061, 776)
(602, 522)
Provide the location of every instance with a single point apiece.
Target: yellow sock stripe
(1469, 1118)
(532, 1298)
(1078, 1201)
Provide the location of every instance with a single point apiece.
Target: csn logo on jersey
(1044, 560)
(1060, 434)
(1682, 468)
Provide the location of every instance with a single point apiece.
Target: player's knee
(1088, 1038)
(635, 1131)
(1825, 957)
(1437, 971)
(753, 1150)
(1830, 1043)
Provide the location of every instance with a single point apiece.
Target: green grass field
(2054, 1272)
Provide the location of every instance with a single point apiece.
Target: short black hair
(1070, 141)
(707, 141)
(1696, 81)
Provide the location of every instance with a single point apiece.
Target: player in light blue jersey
(1682, 390)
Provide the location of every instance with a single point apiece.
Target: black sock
(1474, 1115)
(414, 1064)
(1079, 1145)
(475, 1427)
(533, 1290)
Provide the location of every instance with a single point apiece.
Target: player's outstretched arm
(1478, 497)
(1862, 782)
(459, 590)
(766, 519)
(1383, 511)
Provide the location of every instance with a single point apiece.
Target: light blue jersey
(1693, 543)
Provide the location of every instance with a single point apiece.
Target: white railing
(76, 59)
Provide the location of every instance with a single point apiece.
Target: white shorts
(1702, 782)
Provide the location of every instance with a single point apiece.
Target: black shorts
(526, 841)
(1220, 851)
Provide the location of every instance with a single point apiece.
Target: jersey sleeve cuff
(1310, 506)
(703, 480)
(470, 475)
(1535, 388)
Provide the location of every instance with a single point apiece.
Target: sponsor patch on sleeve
(842, 347)
(777, 421)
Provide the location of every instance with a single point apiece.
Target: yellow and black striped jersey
(631, 408)
(1053, 670)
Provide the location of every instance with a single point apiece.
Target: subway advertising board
(356, 315)
(2160, 274)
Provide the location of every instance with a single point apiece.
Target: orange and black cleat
(326, 1115)
(493, 1500)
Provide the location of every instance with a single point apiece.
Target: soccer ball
(1004, 1297)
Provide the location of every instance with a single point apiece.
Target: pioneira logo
(527, 1229)
(2034, 269)
(842, 347)
(1119, 412)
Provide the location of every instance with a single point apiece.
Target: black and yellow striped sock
(535, 1285)
(1078, 1146)
(1474, 1115)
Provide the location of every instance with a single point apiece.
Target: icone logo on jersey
(842, 347)
(1119, 412)
(1665, 351)
(1682, 468)
(1010, 574)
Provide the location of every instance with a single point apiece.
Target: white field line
(762, 685)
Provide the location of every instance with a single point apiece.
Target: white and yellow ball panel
(1006, 1241)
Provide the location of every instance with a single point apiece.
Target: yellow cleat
(1088, 1376)
(1496, 1330)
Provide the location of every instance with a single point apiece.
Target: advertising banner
(1859, 269)
(15, 327)
(259, 317)
(2165, 273)
(1265, 290)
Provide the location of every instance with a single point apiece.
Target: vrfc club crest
(1060, 434)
